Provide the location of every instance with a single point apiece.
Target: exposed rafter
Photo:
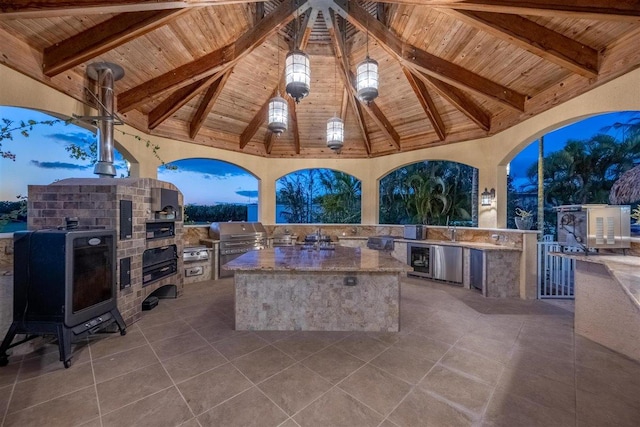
(295, 132)
(97, 40)
(207, 103)
(420, 60)
(33, 9)
(427, 103)
(269, 138)
(461, 101)
(372, 109)
(256, 122)
(535, 38)
(212, 63)
(626, 10)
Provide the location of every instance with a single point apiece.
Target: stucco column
(267, 200)
(370, 201)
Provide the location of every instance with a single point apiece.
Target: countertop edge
(618, 268)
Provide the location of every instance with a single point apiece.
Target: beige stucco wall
(490, 155)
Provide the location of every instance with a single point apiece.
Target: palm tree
(341, 201)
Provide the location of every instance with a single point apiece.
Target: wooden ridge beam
(420, 60)
(460, 100)
(33, 9)
(427, 103)
(103, 37)
(207, 103)
(211, 63)
(294, 123)
(256, 122)
(535, 38)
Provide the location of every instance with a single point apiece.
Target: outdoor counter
(343, 289)
(607, 301)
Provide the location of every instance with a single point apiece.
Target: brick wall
(96, 203)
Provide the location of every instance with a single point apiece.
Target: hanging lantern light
(278, 115)
(297, 74)
(367, 80)
(335, 133)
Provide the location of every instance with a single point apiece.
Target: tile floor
(459, 360)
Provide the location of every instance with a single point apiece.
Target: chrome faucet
(452, 233)
(451, 230)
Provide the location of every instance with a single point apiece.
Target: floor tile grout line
(483, 413)
(49, 400)
(174, 385)
(13, 388)
(95, 386)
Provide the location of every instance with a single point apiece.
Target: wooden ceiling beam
(47, 8)
(347, 78)
(420, 60)
(269, 139)
(307, 26)
(460, 100)
(103, 37)
(427, 103)
(207, 103)
(625, 10)
(537, 39)
(255, 123)
(294, 123)
(178, 99)
(211, 63)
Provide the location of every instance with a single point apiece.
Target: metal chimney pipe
(105, 74)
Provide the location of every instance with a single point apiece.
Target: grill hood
(231, 230)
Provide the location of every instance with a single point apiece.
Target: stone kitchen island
(342, 289)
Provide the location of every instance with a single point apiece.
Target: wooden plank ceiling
(203, 71)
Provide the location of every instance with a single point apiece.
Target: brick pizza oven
(147, 216)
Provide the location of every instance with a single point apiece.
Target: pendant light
(367, 77)
(297, 70)
(335, 133)
(278, 108)
(335, 125)
(297, 74)
(278, 114)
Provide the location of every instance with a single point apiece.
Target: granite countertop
(624, 268)
(295, 258)
(471, 245)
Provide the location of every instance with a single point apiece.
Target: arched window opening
(213, 190)
(581, 164)
(318, 196)
(430, 192)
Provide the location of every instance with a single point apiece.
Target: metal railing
(555, 273)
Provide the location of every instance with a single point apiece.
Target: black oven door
(419, 258)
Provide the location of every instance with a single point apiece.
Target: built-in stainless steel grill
(195, 253)
(235, 239)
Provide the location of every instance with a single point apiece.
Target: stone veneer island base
(290, 288)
